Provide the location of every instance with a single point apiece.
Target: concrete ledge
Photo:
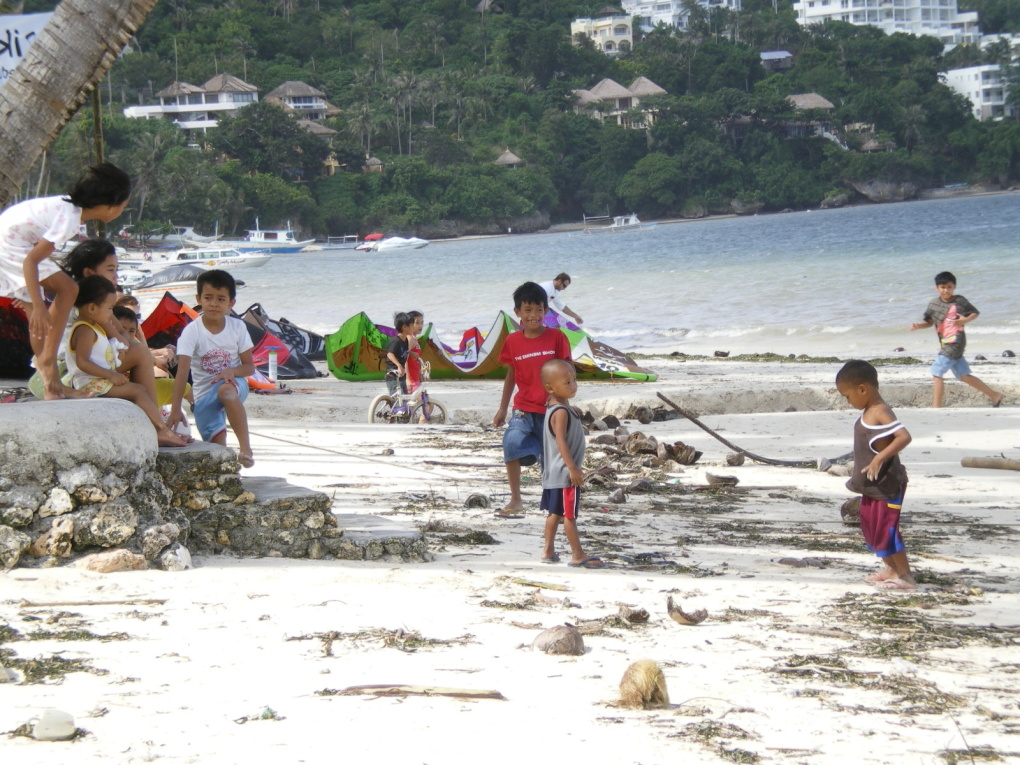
(68, 433)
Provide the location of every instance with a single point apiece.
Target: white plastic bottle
(272, 364)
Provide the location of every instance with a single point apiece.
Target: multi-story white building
(609, 101)
(612, 34)
(935, 18)
(672, 13)
(196, 108)
(985, 88)
(302, 100)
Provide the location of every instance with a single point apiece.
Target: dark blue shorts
(565, 502)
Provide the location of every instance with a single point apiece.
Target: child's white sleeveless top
(103, 355)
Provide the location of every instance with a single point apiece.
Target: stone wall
(81, 476)
(78, 476)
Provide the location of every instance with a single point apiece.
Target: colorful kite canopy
(357, 351)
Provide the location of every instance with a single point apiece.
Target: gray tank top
(554, 470)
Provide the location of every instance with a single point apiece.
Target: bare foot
(245, 459)
(996, 402)
(897, 584)
(169, 438)
(880, 576)
(67, 392)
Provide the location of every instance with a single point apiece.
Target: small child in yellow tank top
(92, 361)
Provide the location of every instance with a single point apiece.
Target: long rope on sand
(390, 464)
(739, 450)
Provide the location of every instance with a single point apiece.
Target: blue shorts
(565, 502)
(942, 364)
(393, 383)
(522, 439)
(208, 411)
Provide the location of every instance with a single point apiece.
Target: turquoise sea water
(842, 282)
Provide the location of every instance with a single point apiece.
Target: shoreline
(923, 195)
(702, 385)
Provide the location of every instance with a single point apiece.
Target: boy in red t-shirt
(524, 352)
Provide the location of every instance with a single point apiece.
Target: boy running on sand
(949, 312)
(877, 473)
(562, 455)
(524, 352)
(221, 347)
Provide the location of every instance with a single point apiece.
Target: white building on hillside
(610, 101)
(196, 108)
(672, 13)
(935, 18)
(610, 30)
(985, 88)
(301, 100)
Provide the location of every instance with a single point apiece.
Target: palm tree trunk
(68, 59)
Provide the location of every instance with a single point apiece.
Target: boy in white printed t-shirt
(217, 349)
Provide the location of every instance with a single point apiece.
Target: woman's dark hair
(88, 254)
(103, 184)
(93, 289)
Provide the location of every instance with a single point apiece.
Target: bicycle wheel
(380, 408)
(437, 413)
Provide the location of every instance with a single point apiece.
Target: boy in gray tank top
(562, 455)
(877, 475)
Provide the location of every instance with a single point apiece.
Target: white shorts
(12, 278)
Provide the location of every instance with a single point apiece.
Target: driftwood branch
(64, 604)
(415, 690)
(993, 463)
(739, 450)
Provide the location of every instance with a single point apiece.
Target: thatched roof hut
(227, 83)
(294, 89)
(643, 87)
(509, 159)
(810, 101)
(175, 89)
(608, 89)
(316, 128)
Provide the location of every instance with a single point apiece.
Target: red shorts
(880, 523)
(565, 502)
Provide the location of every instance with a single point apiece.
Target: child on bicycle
(396, 355)
(414, 360)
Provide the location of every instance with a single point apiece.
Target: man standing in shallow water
(553, 289)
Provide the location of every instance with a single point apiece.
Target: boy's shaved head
(857, 372)
(554, 367)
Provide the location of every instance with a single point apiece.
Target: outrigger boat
(618, 224)
(281, 240)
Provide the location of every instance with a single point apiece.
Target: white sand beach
(798, 661)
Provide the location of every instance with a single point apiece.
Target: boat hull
(280, 248)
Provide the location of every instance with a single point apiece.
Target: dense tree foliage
(437, 91)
